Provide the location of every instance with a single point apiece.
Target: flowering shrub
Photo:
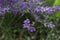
(29, 20)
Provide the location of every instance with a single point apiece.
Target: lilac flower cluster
(49, 10)
(28, 26)
(50, 24)
(35, 6)
(28, 6)
(6, 5)
(4, 10)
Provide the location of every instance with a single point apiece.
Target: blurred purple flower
(43, 9)
(31, 29)
(56, 8)
(37, 9)
(51, 25)
(49, 10)
(26, 25)
(4, 10)
(23, 4)
(26, 21)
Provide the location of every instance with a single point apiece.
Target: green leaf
(49, 2)
(57, 14)
(57, 2)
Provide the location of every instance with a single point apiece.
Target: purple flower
(6, 9)
(26, 25)
(26, 21)
(49, 10)
(31, 1)
(23, 4)
(3, 10)
(56, 8)
(43, 9)
(37, 9)
(51, 25)
(31, 29)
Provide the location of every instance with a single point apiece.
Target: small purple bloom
(55, 7)
(51, 25)
(26, 25)
(6, 8)
(49, 10)
(26, 21)
(37, 9)
(31, 29)
(23, 4)
(43, 9)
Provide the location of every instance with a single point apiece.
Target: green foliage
(49, 2)
(57, 2)
(57, 14)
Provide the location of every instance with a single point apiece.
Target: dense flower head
(50, 10)
(55, 6)
(28, 25)
(31, 29)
